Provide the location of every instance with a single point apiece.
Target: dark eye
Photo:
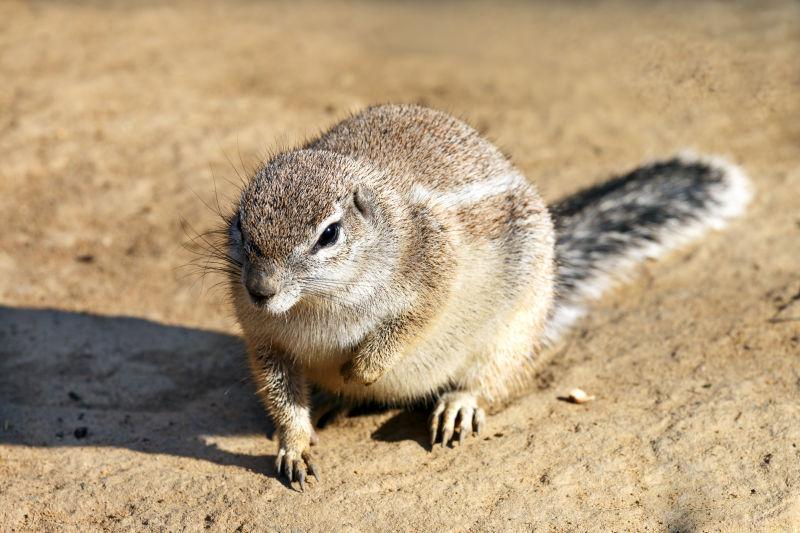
(329, 236)
(239, 224)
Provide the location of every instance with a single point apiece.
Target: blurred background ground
(124, 402)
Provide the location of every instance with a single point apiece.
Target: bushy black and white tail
(605, 230)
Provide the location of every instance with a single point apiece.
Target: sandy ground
(124, 400)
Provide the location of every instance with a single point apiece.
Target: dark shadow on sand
(406, 425)
(75, 379)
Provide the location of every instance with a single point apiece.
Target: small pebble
(81, 432)
(579, 396)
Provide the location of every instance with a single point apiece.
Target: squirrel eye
(329, 236)
(239, 223)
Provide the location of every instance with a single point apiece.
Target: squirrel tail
(603, 231)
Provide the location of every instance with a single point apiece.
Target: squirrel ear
(363, 199)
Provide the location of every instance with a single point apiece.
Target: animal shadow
(74, 379)
(79, 379)
(406, 425)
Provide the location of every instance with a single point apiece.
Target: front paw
(357, 371)
(295, 462)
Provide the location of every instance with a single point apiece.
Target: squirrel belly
(483, 337)
(401, 257)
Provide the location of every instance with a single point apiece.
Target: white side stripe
(467, 194)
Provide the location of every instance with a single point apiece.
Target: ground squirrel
(400, 257)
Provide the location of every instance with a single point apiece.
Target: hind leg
(502, 367)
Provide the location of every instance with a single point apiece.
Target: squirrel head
(305, 225)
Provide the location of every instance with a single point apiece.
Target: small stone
(579, 396)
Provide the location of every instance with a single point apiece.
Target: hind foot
(456, 411)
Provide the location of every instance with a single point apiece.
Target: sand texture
(124, 397)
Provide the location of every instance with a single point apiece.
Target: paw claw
(479, 420)
(279, 461)
(449, 425)
(434, 422)
(453, 407)
(295, 466)
(465, 423)
(312, 468)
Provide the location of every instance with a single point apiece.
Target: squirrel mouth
(258, 300)
(274, 304)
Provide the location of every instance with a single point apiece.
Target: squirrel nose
(260, 287)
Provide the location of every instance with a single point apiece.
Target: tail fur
(603, 231)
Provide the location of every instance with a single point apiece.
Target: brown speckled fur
(439, 288)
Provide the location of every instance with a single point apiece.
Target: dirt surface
(124, 400)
